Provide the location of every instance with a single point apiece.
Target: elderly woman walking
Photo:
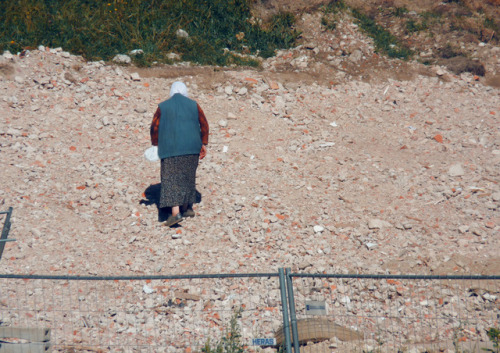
(180, 130)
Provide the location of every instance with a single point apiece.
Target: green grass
(333, 7)
(330, 11)
(413, 26)
(490, 23)
(98, 30)
(399, 11)
(385, 42)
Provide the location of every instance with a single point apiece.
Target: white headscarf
(178, 87)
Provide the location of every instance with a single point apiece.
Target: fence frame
(285, 277)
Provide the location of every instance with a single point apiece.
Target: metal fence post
(5, 231)
(284, 302)
(293, 317)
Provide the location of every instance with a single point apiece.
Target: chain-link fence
(324, 313)
(140, 314)
(349, 313)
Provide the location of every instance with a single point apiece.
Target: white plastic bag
(151, 154)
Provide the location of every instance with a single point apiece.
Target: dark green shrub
(490, 23)
(448, 51)
(231, 338)
(494, 336)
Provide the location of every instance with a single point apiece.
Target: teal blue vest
(179, 133)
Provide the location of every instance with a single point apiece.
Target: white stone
(12, 100)
(7, 55)
(173, 56)
(356, 56)
(326, 144)
(456, 170)
(105, 121)
(345, 300)
(135, 76)
(489, 297)
(147, 289)
(181, 33)
(440, 72)
(122, 59)
(378, 223)
(318, 229)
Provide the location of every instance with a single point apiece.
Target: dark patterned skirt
(178, 181)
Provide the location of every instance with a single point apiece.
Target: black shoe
(188, 213)
(173, 220)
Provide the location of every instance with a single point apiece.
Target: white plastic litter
(151, 154)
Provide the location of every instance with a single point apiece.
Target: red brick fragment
(439, 138)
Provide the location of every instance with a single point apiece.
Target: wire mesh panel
(143, 315)
(396, 314)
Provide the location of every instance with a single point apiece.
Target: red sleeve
(204, 130)
(155, 126)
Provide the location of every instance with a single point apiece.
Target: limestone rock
(456, 170)
(122, 59)
(378, 224)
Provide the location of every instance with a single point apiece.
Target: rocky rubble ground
(313, 164)
(399, 176)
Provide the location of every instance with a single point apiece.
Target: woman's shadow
(152, 196)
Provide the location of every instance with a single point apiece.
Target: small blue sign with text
(264, 342)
